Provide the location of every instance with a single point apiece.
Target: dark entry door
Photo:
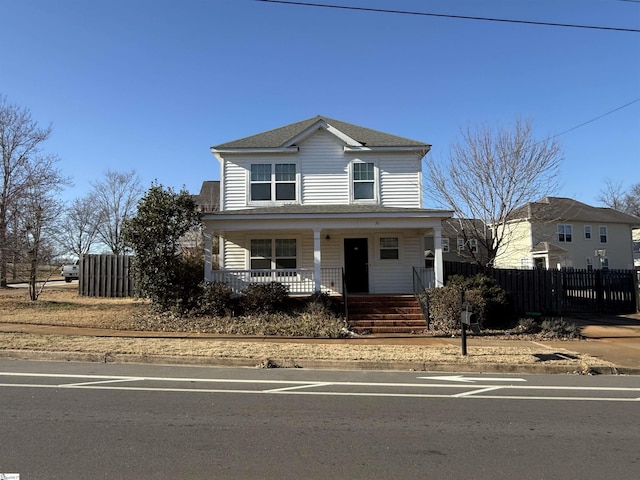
(356, 265)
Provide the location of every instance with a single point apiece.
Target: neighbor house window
(363, 181)
(589, 263)
(604, 263)
(276, 181)
(460, 244)
(473, 245)
(565, 233)
(389, 249)
(445, 245)
(278, 254)
(587, 232)
(603, 234)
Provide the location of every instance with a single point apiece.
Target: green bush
(216, 299)
(490, 301)
(444, 308)
(559, 328)
(322, 304)
(528, 325)
(265, 297)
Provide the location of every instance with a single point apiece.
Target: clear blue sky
(152, 84)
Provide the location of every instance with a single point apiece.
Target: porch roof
(357, 210)
(546, 248)
(318, 217)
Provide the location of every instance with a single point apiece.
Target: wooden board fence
(562, 292)
(106, 276)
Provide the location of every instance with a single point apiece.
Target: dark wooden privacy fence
(106, 276)
(562, 292)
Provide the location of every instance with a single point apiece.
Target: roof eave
(238, 151)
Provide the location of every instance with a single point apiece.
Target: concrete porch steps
(385, 314)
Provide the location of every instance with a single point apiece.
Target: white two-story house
(323, 205)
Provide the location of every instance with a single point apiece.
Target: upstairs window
(364, 181)
(445, 245)
(460, 244)
(565, 233)
(389, 249)
(603, 233)
(260, 182)
(473, 245)
(273, 182)
(587, 232)
(285, 181)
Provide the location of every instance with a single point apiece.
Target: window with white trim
(602, 232)
(589, 263)
(587, 232)
(445, 245)
(389, 248)
(273, 182)
(364, 181)
(460, 244)
(604, 263)
(273, 254)
(473, 245)
(565, 233)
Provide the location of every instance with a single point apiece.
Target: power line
(465, 17)
(596, 118)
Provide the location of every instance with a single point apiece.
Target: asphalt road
(94, 421)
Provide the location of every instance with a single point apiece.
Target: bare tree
(24, 167)
(488, 175)
(36, 228)
(614, 196)
(82, 220)
(116, 197)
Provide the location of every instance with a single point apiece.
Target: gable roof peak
(351, 134)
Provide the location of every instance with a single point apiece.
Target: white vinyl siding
(400, 184)
(324, 174)
(324, 170)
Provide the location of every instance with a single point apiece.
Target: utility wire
(594, 119)
(425, 14)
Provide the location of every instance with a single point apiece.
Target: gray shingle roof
(208, 200)
(566, 209)
(332, 209)
(280, 136)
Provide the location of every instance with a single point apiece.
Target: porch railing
(423, 278)
(300, 281)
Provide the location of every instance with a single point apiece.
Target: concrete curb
(310, 363)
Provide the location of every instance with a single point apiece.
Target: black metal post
(464, 339)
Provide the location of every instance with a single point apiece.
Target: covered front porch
(303, 281)
(339, 249)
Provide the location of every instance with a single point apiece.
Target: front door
(356, 265)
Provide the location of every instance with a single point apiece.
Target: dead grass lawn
(61, 305)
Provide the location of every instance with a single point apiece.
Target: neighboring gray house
(208, 200)
(303, 203)
(461, 242)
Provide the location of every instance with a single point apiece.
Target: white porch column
(438, 267)
(317, 261)
(208, 256)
